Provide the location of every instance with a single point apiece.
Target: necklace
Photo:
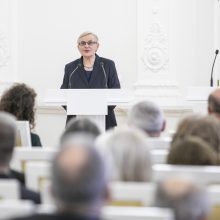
(88, 67)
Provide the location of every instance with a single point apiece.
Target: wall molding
(4, 50)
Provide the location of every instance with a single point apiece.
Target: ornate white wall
(8, 41)
(160, 47)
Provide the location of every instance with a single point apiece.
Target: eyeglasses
(90, 43)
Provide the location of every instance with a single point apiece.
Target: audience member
(214, 103)
(7, 143)
(187, 200)
(148, 117)
(204, 127)
(80, 125)
(191, 151)
(127, 154)
(19, 100)
(79, 183)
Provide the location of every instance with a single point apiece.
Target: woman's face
(88, 46)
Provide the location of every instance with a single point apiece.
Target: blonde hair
(85, 34)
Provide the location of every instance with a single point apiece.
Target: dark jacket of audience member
(19, 100)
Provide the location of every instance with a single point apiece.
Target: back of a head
(184, 126)
(7, 137)
(214, 102)
(78, 176)
(81, 125)
(127, 153)
(187, 200)
(147, 116)
(19, 100)
(191, 151)
(207, 128)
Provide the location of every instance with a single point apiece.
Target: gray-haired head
(127, 154)
(79, 180)
(84, 125)
(184, 197)
(147, 116)
(85, 34)
(7, 137)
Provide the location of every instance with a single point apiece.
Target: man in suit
(91, 72)
(148, 117)
(7, 143)
(79, 181)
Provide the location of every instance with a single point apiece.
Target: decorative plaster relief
(155, 56)
(4, 51)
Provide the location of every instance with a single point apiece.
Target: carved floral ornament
(4, 54)
(155, 55)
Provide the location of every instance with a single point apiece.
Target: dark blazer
(55, 217)
(35, 140)
(25, 193)
(75, 78)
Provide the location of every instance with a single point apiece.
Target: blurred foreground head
(187, 200)
(79, 182)
(7, 138)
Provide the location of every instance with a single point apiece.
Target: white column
(156, 73)
(8, 42)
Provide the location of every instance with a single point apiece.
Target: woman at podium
(91, 72)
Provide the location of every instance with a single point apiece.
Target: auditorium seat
(36, 173)
(201, 174)
(136, 213)
(22, 155)
(9, 189)
(15, 208)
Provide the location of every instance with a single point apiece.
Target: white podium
(197, 97)
(89, 103)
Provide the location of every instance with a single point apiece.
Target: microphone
(102, 65)
(71, 74)
(211, 80)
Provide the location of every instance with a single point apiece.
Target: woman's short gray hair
(127, 154)
(85, 34)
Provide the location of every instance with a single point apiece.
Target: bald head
(78, 176)
(214, 103)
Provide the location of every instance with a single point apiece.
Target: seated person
(7, 144)
(19, 100)
(79, 183)
(81, 125)
(191, 151)
(127, 154)
(205, 127)
(187, 200)
(148, 117)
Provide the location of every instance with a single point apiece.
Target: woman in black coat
(91, 71)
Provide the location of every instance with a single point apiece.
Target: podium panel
(89, 103)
